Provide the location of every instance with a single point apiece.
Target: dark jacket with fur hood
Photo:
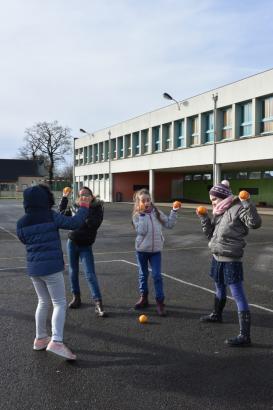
(86, 234)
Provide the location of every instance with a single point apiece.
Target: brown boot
(76, 301)
(142, 303)
(160, 308)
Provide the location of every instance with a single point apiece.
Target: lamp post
(74, 160)
(169, 97)
(109, 163)
(214, 167)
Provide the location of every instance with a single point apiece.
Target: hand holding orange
(141, 207)
(201, 210)
(177, 204)
(143, 319)
(244, 195)
(67, 190)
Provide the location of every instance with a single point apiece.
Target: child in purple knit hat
(231, 218)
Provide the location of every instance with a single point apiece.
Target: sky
(94, 63)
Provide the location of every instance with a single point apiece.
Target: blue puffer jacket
(38, 229)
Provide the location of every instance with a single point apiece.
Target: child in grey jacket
(148, 222)
(232, 217)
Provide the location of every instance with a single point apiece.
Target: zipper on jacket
(152, 232)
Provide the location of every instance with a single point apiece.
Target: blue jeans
(76, 253)
(237, 292)
(143, 260)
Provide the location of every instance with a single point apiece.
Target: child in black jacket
(79, 247)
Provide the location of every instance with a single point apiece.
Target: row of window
(185, 132)
(230, 175)
(202, 176)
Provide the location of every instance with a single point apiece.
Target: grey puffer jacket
(226, 232)
(149, 230)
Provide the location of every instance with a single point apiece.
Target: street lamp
(214, 167)
(109, 162)
(74, 160)
(169, 97)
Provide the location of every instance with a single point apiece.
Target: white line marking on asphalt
(200, 287)
(163, 274)
(10, 233)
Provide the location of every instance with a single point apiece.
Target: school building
(172, 150)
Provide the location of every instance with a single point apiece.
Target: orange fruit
(244, 195)
(202, 210)
(143, 319)
(141, 207)
(177, 204)
(67, 190)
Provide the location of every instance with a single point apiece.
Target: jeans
(143, 260)
(237, 292)
(50, 288)
(76, 253)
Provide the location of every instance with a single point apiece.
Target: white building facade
(171, 150)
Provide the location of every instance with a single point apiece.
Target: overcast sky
(93, 63)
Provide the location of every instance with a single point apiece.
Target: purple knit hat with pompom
(221, 190)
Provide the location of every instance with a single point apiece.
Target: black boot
(142, 302)
(243, 339)
(216, 315)
(76, 301)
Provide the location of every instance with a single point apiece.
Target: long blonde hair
(136, 199)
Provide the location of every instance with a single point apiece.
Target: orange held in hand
(202, 210)
(177, 204)
(244, 195)
(67, 190)
(141, 207)
(143, 319)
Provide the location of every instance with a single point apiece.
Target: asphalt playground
(169, 363)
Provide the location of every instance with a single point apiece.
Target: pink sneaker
(41, 344)
(60, 349)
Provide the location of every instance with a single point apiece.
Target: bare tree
(49, 140)
(66, 173)
(31, 149)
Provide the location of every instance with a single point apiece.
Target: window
(156, 138)
(106, 154)
(128, 147)
(188, 177)
(145, 141)
(207, 177)
(241, 175)
(197, 177)
(254, 175)
(246, 120)
(90, 152)
(136, 150)
(267, 115)
(194, 122)
(101, 153)
(85, 155)
(227, 127)
(166, 136)
(179, 134)
(267, 174)
(209, 134)
(96, 153)
(114, 149)
(120, 147)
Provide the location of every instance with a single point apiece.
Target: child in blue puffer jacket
(38, 229)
